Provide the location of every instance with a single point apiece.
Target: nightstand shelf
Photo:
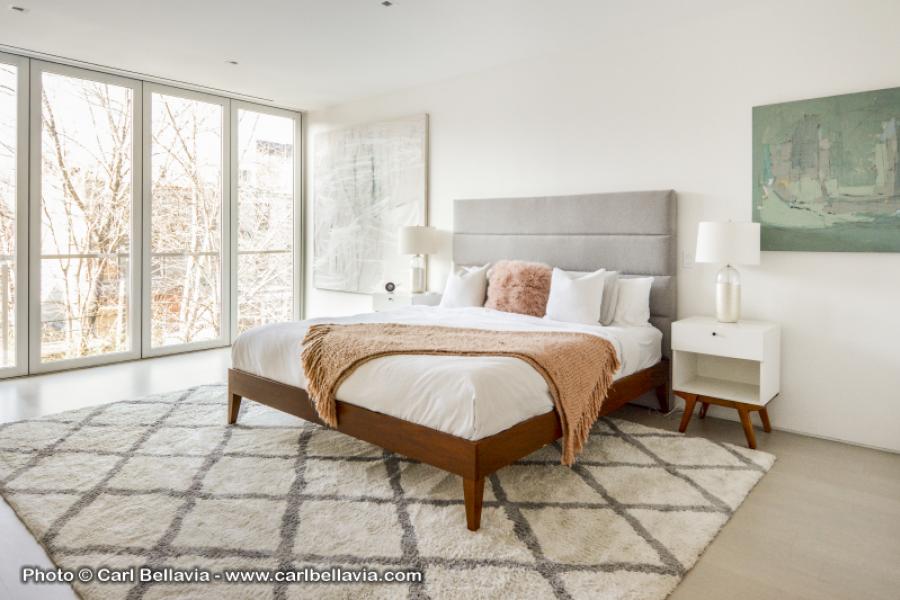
(736, 365)
(722, 388)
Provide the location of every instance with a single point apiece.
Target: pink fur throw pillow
(519, 287)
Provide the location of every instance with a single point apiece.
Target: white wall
(670, 107)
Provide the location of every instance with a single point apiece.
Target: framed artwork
(369, 181)
(826, 173)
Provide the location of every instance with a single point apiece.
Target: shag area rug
(161, 481)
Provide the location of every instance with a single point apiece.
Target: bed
(473, 415)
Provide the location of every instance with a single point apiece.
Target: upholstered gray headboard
(630, 232)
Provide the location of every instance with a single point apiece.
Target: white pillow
(466, 288)
(633, 303)
(575, 300)
(610, 293)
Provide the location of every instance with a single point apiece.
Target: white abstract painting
(370, 180)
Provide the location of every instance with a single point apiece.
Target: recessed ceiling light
(232, 62)
(387, 3)
(19, 9)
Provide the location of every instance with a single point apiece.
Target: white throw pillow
(575, 299)
(633, 303)
(610, 293)
(466, 288)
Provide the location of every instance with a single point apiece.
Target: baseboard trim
(724, 416)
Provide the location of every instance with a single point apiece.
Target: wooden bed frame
(472, 460)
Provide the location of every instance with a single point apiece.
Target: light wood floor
(37, 395)
(824, 523)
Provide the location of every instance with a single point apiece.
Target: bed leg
(473, 490)
(662, 396)
(234, 407)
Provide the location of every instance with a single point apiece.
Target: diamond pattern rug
(161, 481)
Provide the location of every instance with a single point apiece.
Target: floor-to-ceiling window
(187, 172)
(266, 283)
(13, 214)
(138, 219)
(86, 130)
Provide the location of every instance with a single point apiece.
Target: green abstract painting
(826, 173)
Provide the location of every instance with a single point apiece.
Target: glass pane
(180, 317)
(99, 328)
(265, 218)
(265, 289)
(8, 140)
(265, 181)
(186, 220)
(86, 212)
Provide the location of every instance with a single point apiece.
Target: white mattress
(469, 397)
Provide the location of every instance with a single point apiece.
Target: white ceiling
(307, 54)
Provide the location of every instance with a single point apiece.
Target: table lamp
(417, 241)
(731, 244)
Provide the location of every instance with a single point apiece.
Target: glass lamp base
(417, 274)
(728, 295)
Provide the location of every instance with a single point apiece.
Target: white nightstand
(737, 365)
(382, 302)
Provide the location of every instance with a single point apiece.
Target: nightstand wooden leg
(764, 417)
(704, 406)
(748, 426)
(690, 400)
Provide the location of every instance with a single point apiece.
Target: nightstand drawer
(383, 302)
(719, 339)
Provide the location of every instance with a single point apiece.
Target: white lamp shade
(728, 243)
(417, 239)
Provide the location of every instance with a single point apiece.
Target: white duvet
(469, 397)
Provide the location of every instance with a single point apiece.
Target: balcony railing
(7, 265)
